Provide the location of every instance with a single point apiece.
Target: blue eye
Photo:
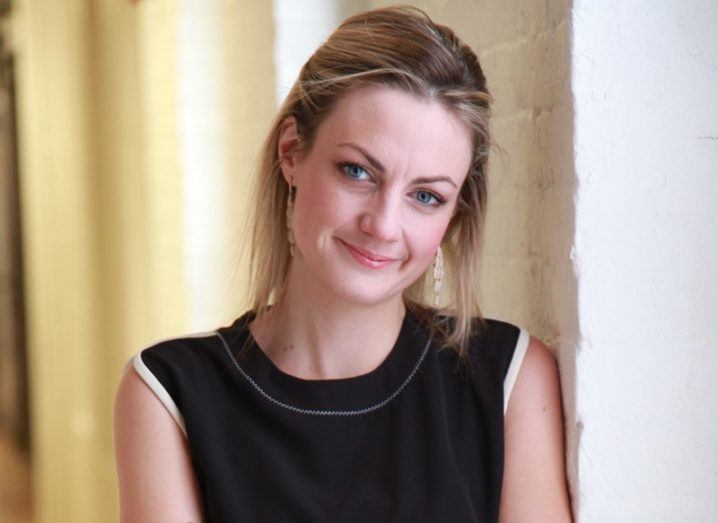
(428, 198)
(355, 171)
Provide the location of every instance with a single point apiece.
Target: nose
(382, 219)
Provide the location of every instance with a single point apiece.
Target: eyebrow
(376, 164)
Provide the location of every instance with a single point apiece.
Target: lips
(368, 254)
(368, 258)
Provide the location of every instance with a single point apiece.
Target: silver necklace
(313, 412)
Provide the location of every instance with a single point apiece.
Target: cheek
(426, 240)
(321, 208)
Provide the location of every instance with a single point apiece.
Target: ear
(288, 148)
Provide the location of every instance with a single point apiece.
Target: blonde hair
(400, 48)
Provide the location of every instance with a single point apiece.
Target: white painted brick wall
(645, 78)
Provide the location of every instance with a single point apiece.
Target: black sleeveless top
(417, 439)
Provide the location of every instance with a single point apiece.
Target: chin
(359, 290)
(367, 290)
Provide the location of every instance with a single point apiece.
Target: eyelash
(439, 200)
(345, 167)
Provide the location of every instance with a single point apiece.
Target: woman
(347, 393)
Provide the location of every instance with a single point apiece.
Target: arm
(154, 470)
(534, 485)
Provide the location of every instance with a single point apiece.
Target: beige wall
(56, 162)
(524, 49)
(225, 103)
(104, 191)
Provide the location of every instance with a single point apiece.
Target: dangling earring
(438, 275)
(290, 209)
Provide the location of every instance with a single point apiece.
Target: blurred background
(128, 136)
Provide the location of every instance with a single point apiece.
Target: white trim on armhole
(159, 390)
(522, 344)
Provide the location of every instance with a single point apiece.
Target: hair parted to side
(401, 48)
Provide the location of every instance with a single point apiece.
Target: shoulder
(177, 349)
(534, 473)
(493, 352)
(499, 344)
(489, 343)
(169, 368)
(537, 379)
(188, 357)
(152, 455)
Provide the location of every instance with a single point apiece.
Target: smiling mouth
(368, 258)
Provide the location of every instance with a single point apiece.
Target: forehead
(402, 130)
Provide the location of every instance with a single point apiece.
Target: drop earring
(290, 210)
(438, 275)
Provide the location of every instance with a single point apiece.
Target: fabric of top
(417, 439)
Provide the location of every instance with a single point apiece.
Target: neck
(311, 334)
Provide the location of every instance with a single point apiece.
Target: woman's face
(375, 193)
